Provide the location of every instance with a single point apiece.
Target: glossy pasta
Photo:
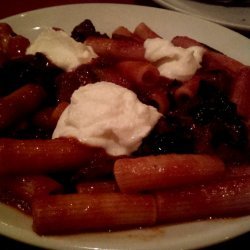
(194, 164)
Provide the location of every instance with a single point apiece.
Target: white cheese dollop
(173, 62)
(61, 49)
(106, 115)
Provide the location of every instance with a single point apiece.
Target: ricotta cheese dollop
(107, 115)
(61, 49)
(173, 62)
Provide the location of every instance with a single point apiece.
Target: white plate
(233, 17)
(106, 18)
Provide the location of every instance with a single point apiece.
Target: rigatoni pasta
(149, 173)
(141, 73)
(193, 164)
(227, 197)
(43, 156)
(118, 49)
(97, 186)
(22, 102)
(21, 190)
(82, 212)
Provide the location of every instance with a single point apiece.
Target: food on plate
(109, 116)
(164, 171)
(128, 130)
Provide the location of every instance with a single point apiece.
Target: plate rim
(170, 5)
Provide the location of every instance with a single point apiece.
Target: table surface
(13, 7)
